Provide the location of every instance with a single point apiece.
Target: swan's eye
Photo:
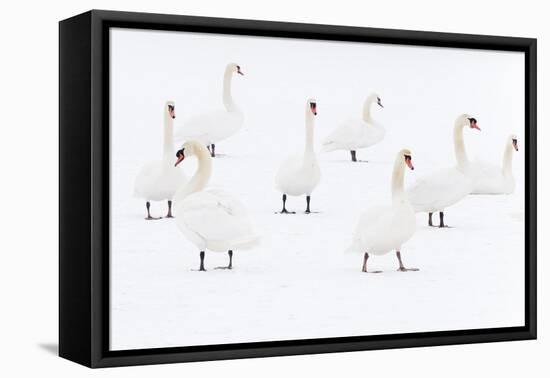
(171, 108)
(179, 153)
(407, 157)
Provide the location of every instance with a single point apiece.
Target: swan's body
(491, 179)
(210, 218)
(159, 180)
(299, 175)
(212, 127)
(447, 186)
(355, 134)
(382, 229)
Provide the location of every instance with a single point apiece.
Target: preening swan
(382, 229)
(212, 127)
(490, 179)
(357, 133)
(299, 175)
(210, 219)
(448, 186)
(159, 180)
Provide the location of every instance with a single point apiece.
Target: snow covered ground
(299, 283)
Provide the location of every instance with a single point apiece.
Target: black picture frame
(84, 188)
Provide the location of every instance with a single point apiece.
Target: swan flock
(217, 221)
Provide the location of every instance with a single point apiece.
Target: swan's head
(312, 104)
(234, 68)
(468, 120)
(514, 141)
(189, 149)
(374, 97)
(406, 155)
(170, 109)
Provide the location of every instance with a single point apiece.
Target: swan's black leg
(441, 222)
(401, 266)
(430, 219)
(308, 199)
(148, 207)
(213, 152)
(169, 215)
(230, 253)
(353, 157)
(202, 262)
(365, 258)
(285, 211)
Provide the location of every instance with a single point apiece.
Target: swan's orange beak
(473, 124)
(313, 108)
(409, 162)
(240, 72)
(515, 144)
(180, 157)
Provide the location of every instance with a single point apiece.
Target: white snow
(299, 283)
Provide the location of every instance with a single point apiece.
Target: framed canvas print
(235, 188)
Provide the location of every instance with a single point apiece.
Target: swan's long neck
(507, 159)
(397, 181)
(169, 151)
(227, 97)
(201, 177)
(309, 150)
(367, 108)
(460, 150)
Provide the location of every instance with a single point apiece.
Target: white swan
(448, 186)
(159, 180)
(299, 175)
(356, 133)
(210, 219)
(382, 229)
(490, 179)
(212, 127)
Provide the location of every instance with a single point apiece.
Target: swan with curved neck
(492, 179)
(382, 229)
(299, 175)
(212, 127)
(159, 180)
(357, 133)
(446, 187)
(211, 219)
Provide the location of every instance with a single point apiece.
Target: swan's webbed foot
(364, 270)
(403, 269)
(230, 266)
(285, 211)
(148, 207)
(401, 266)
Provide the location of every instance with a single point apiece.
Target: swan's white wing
(353, 134)
(147, 175)
(218, 218)
(344, 135)
(439, 190)
(210, 127)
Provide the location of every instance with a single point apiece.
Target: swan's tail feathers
(242, 243)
